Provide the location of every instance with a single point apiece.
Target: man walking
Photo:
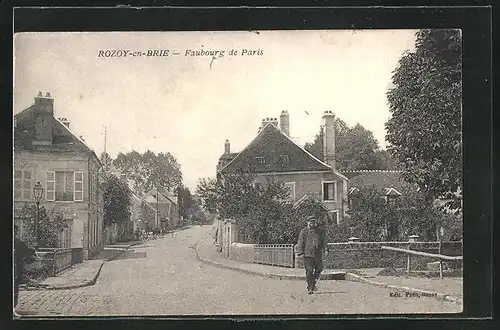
(311, 244)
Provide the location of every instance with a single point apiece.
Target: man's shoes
(310, 291)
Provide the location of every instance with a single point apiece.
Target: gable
(279, 154)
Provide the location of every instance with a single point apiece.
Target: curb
(65, 287)
(439, 296)
(335, 276)
(84, 283)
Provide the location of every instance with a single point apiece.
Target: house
(389, 182)
(46, 151)
(166, 207)
(273, 155)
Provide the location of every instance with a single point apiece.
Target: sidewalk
(82, 274)
(449, 289)
(207, 253)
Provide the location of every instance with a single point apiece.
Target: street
(164, 277)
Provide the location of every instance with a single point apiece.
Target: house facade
(167, 216)
(46, 151)
(273, 155)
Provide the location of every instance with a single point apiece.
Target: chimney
(329, 138)
(44, 119)
(227, 147)
(65, 121)
(267, 120)
(285, 122)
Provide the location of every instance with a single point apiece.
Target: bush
(51, 224)
(37, 270)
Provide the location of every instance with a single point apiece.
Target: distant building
(48, 152)
(389, 182)
(167, 216)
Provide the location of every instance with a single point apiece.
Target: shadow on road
(131, 254)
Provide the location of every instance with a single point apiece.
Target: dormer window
(284, 158)
(260, 160)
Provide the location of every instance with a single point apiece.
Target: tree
(355, 149)
(107, 162)
(368, 214)
(149, 170)
(261, 210)
(117, 199)
(425, 103)
(51, 224)
(385, 161)
(207, 191)
(185, 202)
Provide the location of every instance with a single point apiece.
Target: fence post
(408, 264)
(54, 262)
(440, 262)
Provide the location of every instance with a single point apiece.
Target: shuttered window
(22, 184)
(78, 189)
(64, 186)
(50, 191)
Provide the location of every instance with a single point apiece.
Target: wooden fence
(409, 253)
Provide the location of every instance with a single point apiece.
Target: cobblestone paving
(163, 277)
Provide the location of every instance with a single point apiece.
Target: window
(329, 191)
(291, 186)
(22, 184)
(333, 217)
(260, 160)
(64, 186)
(78, 186)
(284, 158)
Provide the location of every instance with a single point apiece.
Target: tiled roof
(304, 198)
(150, 197)
(272, 145)
(381, 179)
(229, 156)
(63, 140)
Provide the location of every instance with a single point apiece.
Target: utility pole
(105, 133)
(157, 209)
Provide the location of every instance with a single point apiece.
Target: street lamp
(38, 194)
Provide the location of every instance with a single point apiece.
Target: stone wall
(242, 252)
(370, 255)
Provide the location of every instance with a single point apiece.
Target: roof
(228, 156)
(64, 140)
(298, 203)
(272, 144)
(150, 197)
(381, 179)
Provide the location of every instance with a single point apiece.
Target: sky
(189, 105)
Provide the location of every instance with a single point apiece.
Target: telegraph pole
(157, 209)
